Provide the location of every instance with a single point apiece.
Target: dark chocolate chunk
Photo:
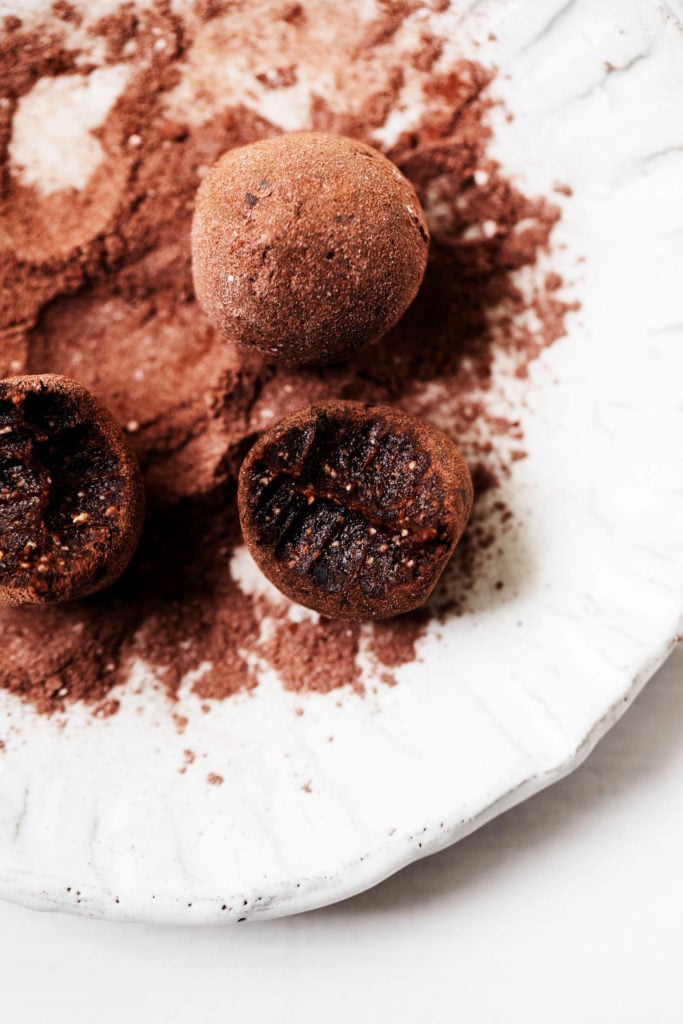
(354, 510)
(307, 247)
(71, 494)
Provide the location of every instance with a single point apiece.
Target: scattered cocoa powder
(313, 655)
(66, 11)
(107, 708)
(390, 646)
(189, 758)
(96, 285)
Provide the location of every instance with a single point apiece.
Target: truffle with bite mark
(71, 493)
(354, 510)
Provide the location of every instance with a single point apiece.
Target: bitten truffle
(354, 510)
(71, 493)
(307, 247)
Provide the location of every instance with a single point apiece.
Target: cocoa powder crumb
(430, 49)
(208, 9)
(67, 12)
(96, 284)
(381, 29)
(107, 708)
(293, 13)
(215, 780)
(278, 78)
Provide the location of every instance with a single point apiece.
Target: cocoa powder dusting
(96, 285)
(315, 655)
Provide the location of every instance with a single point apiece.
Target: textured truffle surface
(71, 494)
(354, 510)
(307, 246)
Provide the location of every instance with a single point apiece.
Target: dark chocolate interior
(61, 491)
(350, 502)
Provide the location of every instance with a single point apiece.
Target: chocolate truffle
(71, 494)
(307, 246)
(354, 510)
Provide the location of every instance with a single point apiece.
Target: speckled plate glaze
(95, 817)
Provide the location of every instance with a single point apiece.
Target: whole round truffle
(307, 246)
(71, 493)
(354, 510)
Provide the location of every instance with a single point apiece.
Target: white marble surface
(566, 909)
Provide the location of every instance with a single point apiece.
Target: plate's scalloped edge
(352, 879)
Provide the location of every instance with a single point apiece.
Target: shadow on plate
(625, 759)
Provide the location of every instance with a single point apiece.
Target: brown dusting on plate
(96, 285)
(312, 655)
(391, 645)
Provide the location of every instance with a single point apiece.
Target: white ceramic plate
(94, 816)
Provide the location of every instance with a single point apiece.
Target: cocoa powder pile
(96, 285)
